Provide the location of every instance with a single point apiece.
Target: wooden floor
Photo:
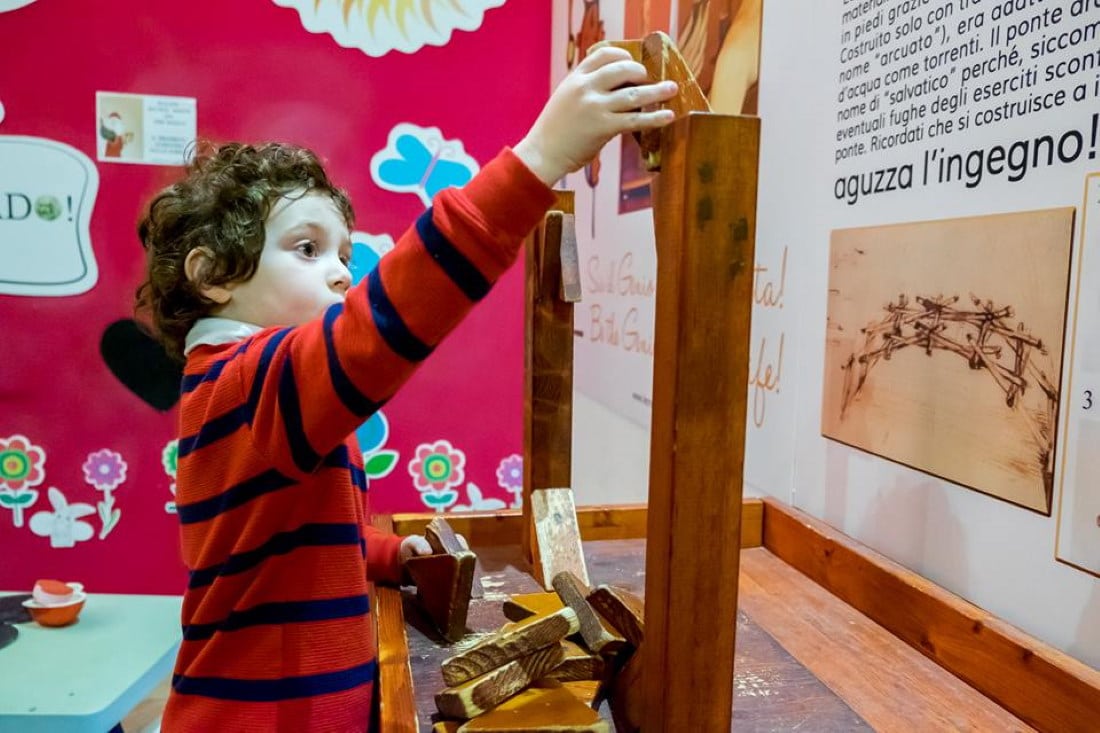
(882, 680)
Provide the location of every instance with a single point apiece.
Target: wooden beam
(397, 698)
(548, 366)
(618, 522)
(1041, 685)
(704, 213)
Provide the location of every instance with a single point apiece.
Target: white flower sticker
(377, 27)
(63, 525)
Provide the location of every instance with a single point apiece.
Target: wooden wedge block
(597, 636)
(539, 709)
(443, 584)
(489, 690)
(622, 609)
(579, 664)
(510, 643)
(557, 535)
(525, 605)
(443, 539)
(446, 726)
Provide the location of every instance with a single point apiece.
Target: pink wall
(256, 74)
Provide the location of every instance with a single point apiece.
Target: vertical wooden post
(548, 369)
(705, 217)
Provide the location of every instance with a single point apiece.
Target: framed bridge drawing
(944, 347)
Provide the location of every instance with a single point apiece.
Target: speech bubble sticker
(377, 27)
(47, 191)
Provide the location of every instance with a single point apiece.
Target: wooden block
(579, 664)
(540, 709)
(557, 535)
(587, 691)
(441, 536)
(627, 696)
(489, 690)
(597, 637)
(447, 726)
(510, 643)
(443, 584)
(525, 605)
(622, 609)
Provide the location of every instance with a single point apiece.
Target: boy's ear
(196, 265)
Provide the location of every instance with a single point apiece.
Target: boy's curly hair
(221, 204)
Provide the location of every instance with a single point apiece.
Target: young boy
(248, 280)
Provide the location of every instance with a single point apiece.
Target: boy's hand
(600, 99)
(412, 546)
(415, 545)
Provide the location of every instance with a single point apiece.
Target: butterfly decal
(420, 160)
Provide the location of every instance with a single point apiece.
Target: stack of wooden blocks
(562, 654)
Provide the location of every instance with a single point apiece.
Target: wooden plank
(889, 684)
(524, 605)
(557, 546)
(539, 709)
(1041, 685)
(595, 632)
(508, 644)
(617, 522)
(579, 665)
(396, 694)
(622, 609)
(705, 209)
(489, 690)
(548, 366)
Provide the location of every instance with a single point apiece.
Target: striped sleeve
(305, 389)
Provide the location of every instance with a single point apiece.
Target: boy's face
(302, 269)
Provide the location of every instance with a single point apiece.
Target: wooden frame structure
(705, 207)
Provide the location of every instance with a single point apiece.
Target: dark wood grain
(622, 609)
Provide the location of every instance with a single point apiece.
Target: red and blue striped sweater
(271, 493)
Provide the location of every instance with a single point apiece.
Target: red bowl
(56, 615)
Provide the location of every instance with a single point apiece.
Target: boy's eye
(346, 259)
(309, 249)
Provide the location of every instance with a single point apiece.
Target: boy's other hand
(415, 545)
(603, 97)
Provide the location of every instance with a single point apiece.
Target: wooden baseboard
(1035, 682)
(613, 522)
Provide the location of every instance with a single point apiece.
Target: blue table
(87, 677)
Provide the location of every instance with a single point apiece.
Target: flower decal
(104, 470)
(63, 525)
(436, 469)
(510, 477)
(21, 466)
(20, 463)
(169, 457)
(437, 466)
